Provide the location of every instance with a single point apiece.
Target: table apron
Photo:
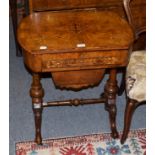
(53, 62)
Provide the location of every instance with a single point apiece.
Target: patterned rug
(95, 144)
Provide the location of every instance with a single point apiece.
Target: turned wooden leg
(130, 107)
(37, 93)
(110, 94)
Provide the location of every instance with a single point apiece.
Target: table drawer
(84, 60)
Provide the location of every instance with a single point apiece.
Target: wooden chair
(75, 42)
(138, 24)
(135, 76)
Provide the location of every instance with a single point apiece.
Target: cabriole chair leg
(130, 107)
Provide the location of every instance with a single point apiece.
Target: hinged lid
(69, 31)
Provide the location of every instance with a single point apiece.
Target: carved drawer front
(81, 60)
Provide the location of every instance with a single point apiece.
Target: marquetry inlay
(96, 61)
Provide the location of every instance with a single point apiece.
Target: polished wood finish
(131, 104)
(139, 8)
(14, 17)
(137, 20)
(76, 79)
(135, 11)
(111, 89)
(61, 51)
(76, 46)
(37, 93)
(89, 29)
(130, 108)
(130, 12)
(74, 102)
(41, 5)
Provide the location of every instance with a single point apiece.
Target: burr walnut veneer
(76, 46)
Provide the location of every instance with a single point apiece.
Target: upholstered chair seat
(136, 76)
(135, 87)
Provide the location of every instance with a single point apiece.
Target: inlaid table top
(69, 31)
(74, 40)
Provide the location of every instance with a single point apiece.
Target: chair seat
(136, 76)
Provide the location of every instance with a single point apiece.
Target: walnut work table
(76, 47)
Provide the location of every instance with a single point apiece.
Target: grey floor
(58, 121)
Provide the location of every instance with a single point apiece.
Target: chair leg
(110, 105)
(37, 93)
(130, 107)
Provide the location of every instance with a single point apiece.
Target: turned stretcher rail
(73, 102)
